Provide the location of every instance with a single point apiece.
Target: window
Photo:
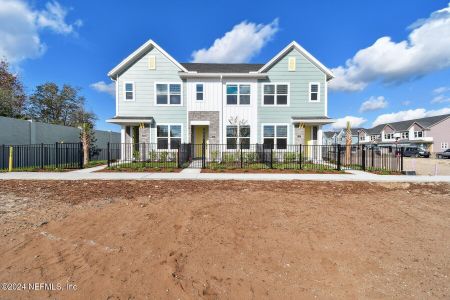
(314, 92)
(388, 136)
(373, 137)
(238, 135)
(275, 135)
(405, 135)
(129, 91)
(275, 94)
(168, 94)
(418, 134)
(168, 136)
(238, 93)
(199, 92)
(292, 64)
(444, 145)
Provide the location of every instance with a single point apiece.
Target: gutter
(222, 75)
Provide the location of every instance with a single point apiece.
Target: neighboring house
(162, 101)
(341, 136)
(329, 138)
(431, 133)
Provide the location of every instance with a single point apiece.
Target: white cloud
(20, 27)
(373, 103)
(104, 87)
(342, 122)
(409, 114)
(441, 90)
(406, 103)
(426, 50)
(239, 45)
(440, 99)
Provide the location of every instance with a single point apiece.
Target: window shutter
(292, 64)
(151, 62)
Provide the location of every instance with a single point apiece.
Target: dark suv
(415, 152)
(445, 154)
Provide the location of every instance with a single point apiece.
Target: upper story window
(275, 135)
(275, 94)
(388, 136)
(129, 91)
(168, 94)
(418, 134)
(168, 136)
(238, 94)
(238, 135)
(314, 92)
(199, 91)
(405, 135)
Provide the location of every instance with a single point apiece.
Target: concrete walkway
(88, 174)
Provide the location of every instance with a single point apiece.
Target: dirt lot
(227, 240)
(427, 166)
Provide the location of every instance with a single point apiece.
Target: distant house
(432, 133)
(342, 135)
(329, 137)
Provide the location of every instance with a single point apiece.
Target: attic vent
(292, 64)
(151, 62)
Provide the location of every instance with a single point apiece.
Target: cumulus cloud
(104, 87)
(342, 122)
(20, 27)
(409, 114)
(425, 50)
(373, 103)
(239, 45)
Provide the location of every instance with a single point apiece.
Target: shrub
(289, 157)
(250, 157)
(229, 157)
(136, 155)
(153, 156)
(163, 156)
(214, 155)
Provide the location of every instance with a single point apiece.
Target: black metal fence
(255, 156)
(41, 156)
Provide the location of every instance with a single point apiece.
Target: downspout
(221, 125)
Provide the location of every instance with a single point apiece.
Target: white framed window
(314, 92)
(238, 94)
(292, 62)
(275, 136)
(388, 136)
(199, 93)
(128, 88)
(275, 94)
(405, 135)
(168, 136)
(238, 135)
(168, 94)
(444, 145)
(418, 134)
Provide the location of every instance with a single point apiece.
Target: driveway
(427, 166)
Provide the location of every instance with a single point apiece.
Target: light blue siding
(144, 85)
(299, 80)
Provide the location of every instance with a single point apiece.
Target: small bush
(136, 155)
(163, 156)
(289, 157)
(153, 156)
(214, 155)
(229, 157)
(250, 157)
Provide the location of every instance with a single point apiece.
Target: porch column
(319, 141)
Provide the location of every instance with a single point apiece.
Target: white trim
(222, 75)
(288, 104)
(129, 121)
(275, 132)
(318, 92)
(138, 52)
(168, 93)
(116, 82)
(305, 53)
(168, 124)
(125, 91)
(238, 93)
(199, 123)
(195, 91)
(314, 121)
(326, 97)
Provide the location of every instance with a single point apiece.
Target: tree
(52, 104)
(86, 121)
(12, 95)
(348, 143)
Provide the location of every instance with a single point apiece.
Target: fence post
(372, 156)
(3, 157)
(108, 154)
(203, 154)
(11, 158)
(339, 157)
(401, 159)
(56, 156)
(271, 157)
(241, 155)
(81, 155)
(42, 155)
(363, 154)
(300, 156)
(178, 156)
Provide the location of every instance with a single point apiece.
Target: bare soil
(226, 240)
(275, 171)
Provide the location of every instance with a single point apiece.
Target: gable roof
(405, 125)
(329, 134)
(221, 68)
(137, 53)
(295, 45)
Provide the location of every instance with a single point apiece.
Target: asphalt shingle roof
(404, 125)
(222, 68)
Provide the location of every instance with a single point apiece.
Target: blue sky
(402, 69)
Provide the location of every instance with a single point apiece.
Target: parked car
(445, 154)
(415, 152)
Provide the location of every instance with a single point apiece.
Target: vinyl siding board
(299, 80)
(144, 87)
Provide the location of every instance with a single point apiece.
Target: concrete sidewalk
(90, 175)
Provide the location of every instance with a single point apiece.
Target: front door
(200, 133)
